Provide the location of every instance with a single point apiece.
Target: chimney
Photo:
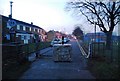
(32, 23)
(10, 17)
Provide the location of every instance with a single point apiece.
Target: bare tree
(104, 14)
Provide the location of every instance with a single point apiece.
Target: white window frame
(38, 30)
(18, 27)
(34, 29)
(30, 28)
(24, 28)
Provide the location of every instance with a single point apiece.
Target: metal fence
(98, 49)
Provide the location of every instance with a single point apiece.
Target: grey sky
(48, 14)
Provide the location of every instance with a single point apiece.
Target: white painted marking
(82, 50)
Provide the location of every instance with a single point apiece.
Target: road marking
(81, 49)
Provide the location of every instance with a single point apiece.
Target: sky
(47, 14)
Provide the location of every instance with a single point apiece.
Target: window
(8, 36)
(38, 30)
(34, 29)
(27, 28)
(30, 28)
(23, 27)
(18, 27)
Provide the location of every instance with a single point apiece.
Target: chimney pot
(32, 23)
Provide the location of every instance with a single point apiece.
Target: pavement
(32, 56)
(43, 51)
(46, 68)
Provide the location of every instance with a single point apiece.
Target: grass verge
(102, 69)
(104, 64)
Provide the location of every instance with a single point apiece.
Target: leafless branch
(117, 21)
(92, 22)
(100, 12)
(103, 5)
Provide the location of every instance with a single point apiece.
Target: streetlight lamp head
(11, 2)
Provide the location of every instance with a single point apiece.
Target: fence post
(89, 51)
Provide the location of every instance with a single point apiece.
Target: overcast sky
(48, 14)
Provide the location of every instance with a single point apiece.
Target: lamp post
(94, 37)
(11, 23)
(11, 9)
(95, 31)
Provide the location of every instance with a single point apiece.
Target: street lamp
(11, 23)
(95, 30)
(11, 9)
(94, 38)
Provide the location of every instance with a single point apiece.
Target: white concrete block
(32, 57)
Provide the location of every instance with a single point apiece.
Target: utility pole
(95, 31)
(95, 39)
(10, 9)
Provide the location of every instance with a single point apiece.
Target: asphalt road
(46, 68)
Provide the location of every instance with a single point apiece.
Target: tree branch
(102, 24)
(102, 4)
(117, 22)
(103, 13)
(113, 7)
(92, 22)
(117, 11)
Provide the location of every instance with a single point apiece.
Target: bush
(14, 61)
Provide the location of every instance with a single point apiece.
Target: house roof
(20, 22)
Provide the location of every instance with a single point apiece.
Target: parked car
(66, 40)
(55, 41)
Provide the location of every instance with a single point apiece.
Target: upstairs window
(24, 28)
(30, 28)
(34, 29)
(21, 27)
(18, 27)
(38, 30)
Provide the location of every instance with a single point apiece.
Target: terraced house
(16, 31)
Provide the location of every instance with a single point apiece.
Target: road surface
(46, 68)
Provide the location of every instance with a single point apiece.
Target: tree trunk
(108, 40)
